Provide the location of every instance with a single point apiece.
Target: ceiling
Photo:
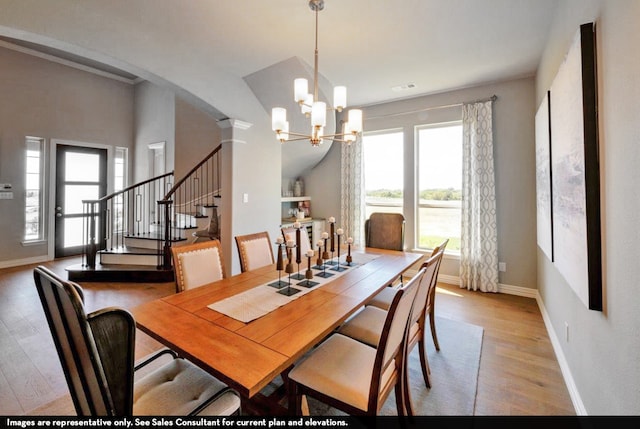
(381, 50)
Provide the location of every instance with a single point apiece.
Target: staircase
(128, 235)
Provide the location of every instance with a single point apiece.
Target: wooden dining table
(248, 356)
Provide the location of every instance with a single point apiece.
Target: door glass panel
(82, 167)
(73, 231)
(74, 194)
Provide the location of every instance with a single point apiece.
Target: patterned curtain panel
(352, 192)
(479, 238)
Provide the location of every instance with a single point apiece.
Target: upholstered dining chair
(355, 377)
(197, 264)
(385, 231)
(368, 324)
(384, 297)
(96, 351)
(254, 250)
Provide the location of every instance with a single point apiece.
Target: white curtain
(352, 192)
(479, 242)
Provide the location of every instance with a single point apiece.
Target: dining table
(248, 356)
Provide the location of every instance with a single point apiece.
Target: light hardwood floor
(519, 373)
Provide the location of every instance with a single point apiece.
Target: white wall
(603, 347)
(514, 158)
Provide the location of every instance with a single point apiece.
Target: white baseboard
(502, 288)
(25, 261)
(562, 361)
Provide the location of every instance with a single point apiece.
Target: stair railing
(184, 202)
(132, 211)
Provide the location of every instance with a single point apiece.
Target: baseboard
(502, 288)
(562, 361)
(25, 261)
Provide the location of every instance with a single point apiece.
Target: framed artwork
(575, 179)
(544, 200)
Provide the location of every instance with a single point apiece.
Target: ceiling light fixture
(315, 109)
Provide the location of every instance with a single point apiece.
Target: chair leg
(406, 393)
(295, 398)
(432, 322)
(424, 362)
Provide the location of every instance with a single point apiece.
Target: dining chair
(97, 352)
(368, 324)
(385, 231)
(197, 264)
(254, 250)
(355, 377)
(384, 297)
(289, 233)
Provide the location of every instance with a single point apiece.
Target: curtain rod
(492, 98)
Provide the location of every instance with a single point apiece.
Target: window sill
(447, 254)
(33, 242)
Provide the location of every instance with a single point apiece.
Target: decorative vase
(297, 188)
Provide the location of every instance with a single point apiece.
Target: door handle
(58, 214)
(59, 208)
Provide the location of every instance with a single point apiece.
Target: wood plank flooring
(519, 373)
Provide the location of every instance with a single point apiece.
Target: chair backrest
(254, 250)
(392, 340)
(427, 284)
(289, 233)
(385, 231)
(197, 264)
(96, 351)
(431, 296)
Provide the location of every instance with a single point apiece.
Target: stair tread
(129, 250)
(157, 235)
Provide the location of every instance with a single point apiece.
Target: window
(383, 171)
(439, 152)
(119, 183)
(34, 156)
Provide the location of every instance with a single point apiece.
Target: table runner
(263, 299)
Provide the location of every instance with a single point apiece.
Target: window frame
(418, 205)
(393, 207)
(42, 155)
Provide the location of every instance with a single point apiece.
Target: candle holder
(325, 255)
(298, 276)
(308, 283)
(332, 234)
(349, 259)
(339, 267)
(288, 290)
(319, 263)
(279, 266)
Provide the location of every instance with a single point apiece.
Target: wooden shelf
(294, 199)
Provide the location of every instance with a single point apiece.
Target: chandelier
(315, 109)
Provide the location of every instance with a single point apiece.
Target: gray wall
(155, 112)
(49, 100)
(514, 159)
(601, 354)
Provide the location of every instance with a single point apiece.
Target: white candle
(332, 219)
(340, 231)
(349, 240)
(279, 240)
(290, 243)
(325, 234)
(310, 253)
(319, 243)
(296, 225)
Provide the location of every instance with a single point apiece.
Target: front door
(81, 174)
